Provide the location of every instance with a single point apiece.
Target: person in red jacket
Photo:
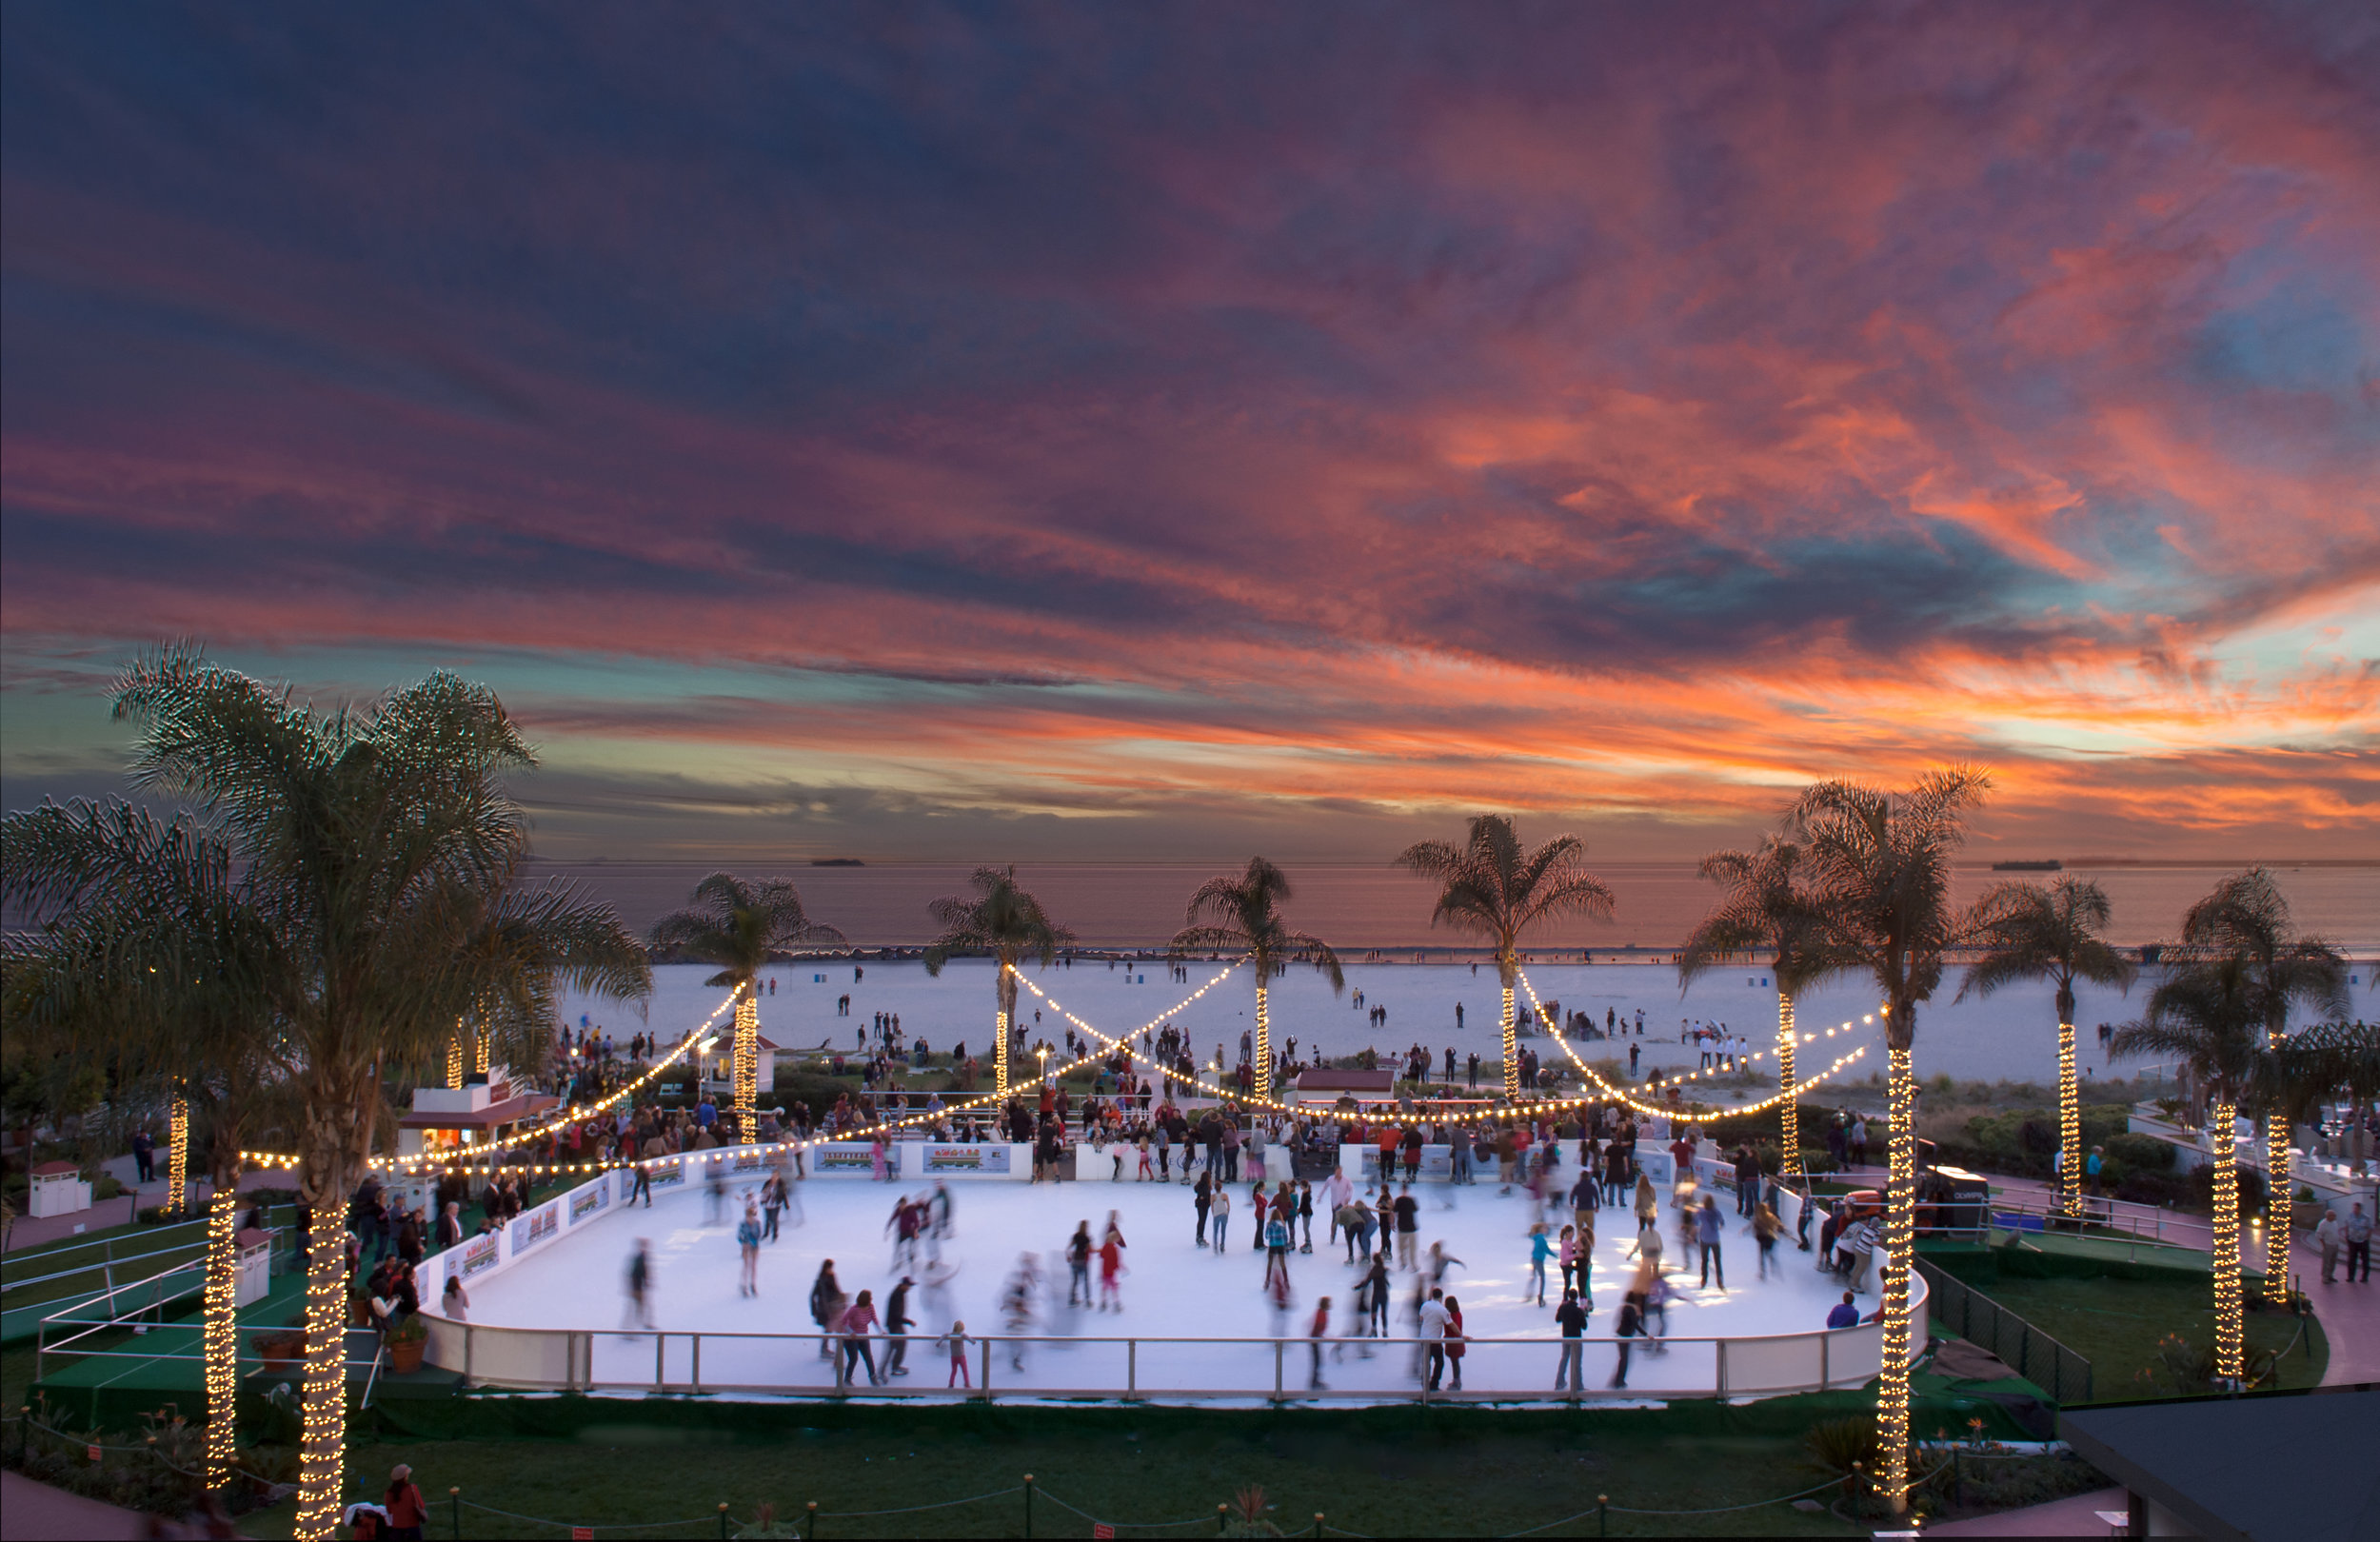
(408, 1511)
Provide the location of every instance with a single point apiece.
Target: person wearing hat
(408, 1511)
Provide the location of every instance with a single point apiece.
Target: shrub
(2140, 1153)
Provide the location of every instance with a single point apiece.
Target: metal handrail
(578, 1346)
(109, 1259)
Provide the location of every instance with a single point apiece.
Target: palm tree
(2054, 934)
(150, 956)
(1002, 920)
(1243, 913)
(1765, 908)
(2209, 1015)
(1493, 887)
(737, 925)
(359, 832)
(1879, 875)
(2248, 917)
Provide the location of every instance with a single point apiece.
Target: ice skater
(1112, 1267)
(749, 1244)
(1016, 1307)
(825, 1307)
(639, 1310)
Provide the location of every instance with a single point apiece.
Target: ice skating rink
(1173, 1290)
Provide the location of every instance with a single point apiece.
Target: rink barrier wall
(1143, 1369)
(490, 1253)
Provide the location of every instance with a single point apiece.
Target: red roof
(507, 1112)
(53, 1169)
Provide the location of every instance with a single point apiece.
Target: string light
(482, 1045)
(1900, 1222)
(324, 1417)
(1512, 1041)
(2070, 1125)
(2231, 1356)
(454, 1058)
(1263, 1079)
(1789, 1115)
(221, 1336)
(1001, 1032)
(748, 1054)
(178, 1153)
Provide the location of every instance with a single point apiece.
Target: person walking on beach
(1707, 1232)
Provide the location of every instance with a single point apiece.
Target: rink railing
(1150, 1369)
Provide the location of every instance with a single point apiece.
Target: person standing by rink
(1454, 1342)
(1431, 1329)
(749, 1244)
(956, 1342)
(640, 1287)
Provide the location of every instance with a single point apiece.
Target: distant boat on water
(837, 862)
(2049, 865)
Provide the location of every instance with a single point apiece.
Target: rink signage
(589, 1199)
(661, 1173)
(536, 1226)
(478, 1254)
(989, 1158)
(1437, 1164)
(852, 1156)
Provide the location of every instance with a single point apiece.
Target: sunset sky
(1085, 431)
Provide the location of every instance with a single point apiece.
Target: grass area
(1458, 1472)
(2115, 1324)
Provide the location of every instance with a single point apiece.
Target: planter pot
(405, 1359)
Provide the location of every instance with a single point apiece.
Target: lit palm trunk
(2231, 1356)
(321, 1451)
(1263, 1043)
(1511, 1049)
(222, 1347)
(2069, 1124)
(1000, 1056)
(178, 1156)
(454, 1059)
(480, 1054)
(2276, 1226)
(1788, 1112)
(1900, 1224)
(747, 1059)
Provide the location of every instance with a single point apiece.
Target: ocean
(1374, 906)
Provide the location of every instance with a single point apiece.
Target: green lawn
(2115, 1324)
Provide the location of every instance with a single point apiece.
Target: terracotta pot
(406, 1357)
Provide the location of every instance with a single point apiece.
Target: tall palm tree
(1765, 906)
(358, 831)
(2054, 934)
(1491, 886)
(1880, 873)
(150, 955)
(2209, 1015)
(737, 925)
(1243, 912)
(1005, 920)
(2247, 915)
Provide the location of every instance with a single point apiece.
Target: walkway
(2349, 1316)
(36, 1512)
(2075, 1517)
(39, 1231)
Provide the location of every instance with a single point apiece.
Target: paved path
(38, 1230)
(2349, 1316)
(2076, 1517)
(34, 1511)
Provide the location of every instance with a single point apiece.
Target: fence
(1138, 1369)
(26, 1300)
(2032, 1354)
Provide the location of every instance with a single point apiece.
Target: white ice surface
(1174, 1289)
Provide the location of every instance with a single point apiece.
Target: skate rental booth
(545, 1298)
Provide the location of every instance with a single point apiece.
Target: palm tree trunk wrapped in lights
(1878, 888)
(454, 1061)
(482, 1044)
(219, 1342)
(2231, 1329)
(747, 1060)
(2056, 934)
(1002, 920)
(178, 1156)
(1242, 912)
(323, 1403)
(1495, 888)
(1788, 1109)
